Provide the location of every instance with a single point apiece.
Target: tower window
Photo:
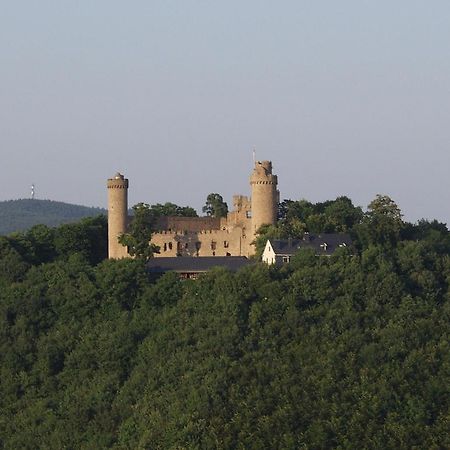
(226, 244)
(170, 245)
(213, 245)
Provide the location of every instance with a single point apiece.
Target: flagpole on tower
(254, 155)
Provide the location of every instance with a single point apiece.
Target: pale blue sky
(345, 97)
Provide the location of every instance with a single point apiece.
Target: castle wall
(187, 223)
(231, 241)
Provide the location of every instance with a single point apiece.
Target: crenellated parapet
(117, 182)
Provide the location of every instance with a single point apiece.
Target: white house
(279, 251)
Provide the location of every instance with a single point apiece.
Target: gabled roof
(323, 244)
(192, 264)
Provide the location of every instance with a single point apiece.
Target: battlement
(117, 182)
(273, 180)
(190, 232)
(241, 202)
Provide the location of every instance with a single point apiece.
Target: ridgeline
(20, 215)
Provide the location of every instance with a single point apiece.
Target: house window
(286, 259)
(186, 246)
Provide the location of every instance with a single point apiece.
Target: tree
(382, 222)
(265, 233)
(140, 233)
(331, 216)
(13, 266)
(88, 237)
(342, 214)
(171, 209)
(215, 206)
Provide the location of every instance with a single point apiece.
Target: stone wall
(231, 241)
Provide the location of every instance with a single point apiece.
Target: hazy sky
(347, 97)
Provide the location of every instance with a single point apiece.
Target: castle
(232, 235)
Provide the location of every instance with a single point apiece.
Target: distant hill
(19, 215)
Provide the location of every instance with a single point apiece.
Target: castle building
(232, 235)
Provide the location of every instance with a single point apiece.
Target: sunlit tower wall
(117, 214)
(265, 196)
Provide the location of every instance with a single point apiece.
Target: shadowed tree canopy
(171, 209)
(382, 223)
(139, 234)
(215, 206)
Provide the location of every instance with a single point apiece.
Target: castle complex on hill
(232, 235)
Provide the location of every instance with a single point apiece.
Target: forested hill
(19, 215)
(349, 351)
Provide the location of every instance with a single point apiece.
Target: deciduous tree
(137, 239)
(215, 206)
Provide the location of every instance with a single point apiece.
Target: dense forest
(20, 215)
(349, 351)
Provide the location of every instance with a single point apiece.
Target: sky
(346, 98)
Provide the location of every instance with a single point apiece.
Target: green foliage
(334, 216)
(349, 351)
(266, 232)
(42, 244)
(20, 215)
(382, 223)
(12, 265)
(171, 209)
(89, 237)
(139, 234)
(215, 206)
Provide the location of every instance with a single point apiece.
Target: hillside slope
(19, 215)
(349, 351)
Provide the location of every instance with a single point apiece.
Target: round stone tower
(117, 214)
(265, 196)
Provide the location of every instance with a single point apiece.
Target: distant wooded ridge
(22, 214)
